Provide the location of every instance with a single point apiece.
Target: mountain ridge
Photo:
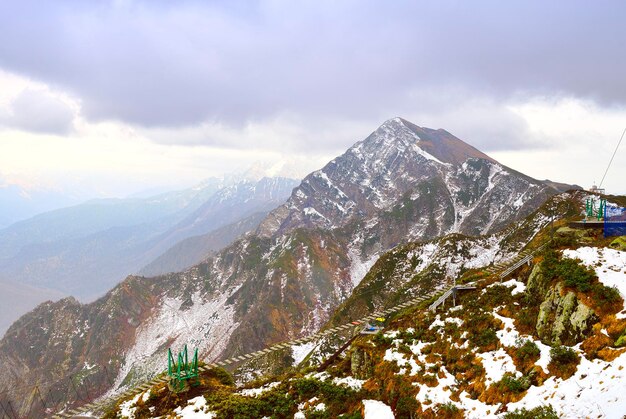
(304, 260)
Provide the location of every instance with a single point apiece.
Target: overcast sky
(119, 96)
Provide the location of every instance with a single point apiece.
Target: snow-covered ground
(259, 390)
(609, 265)
(496, 364)
(375, 409)
(196, 327)
(196, 409)
(596, 390)
(299, 352)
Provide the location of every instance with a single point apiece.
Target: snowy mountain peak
(400, 161)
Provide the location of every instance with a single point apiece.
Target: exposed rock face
(580, 235)
(361, 364)
(537, 283)
(619, 243)
(563, 319)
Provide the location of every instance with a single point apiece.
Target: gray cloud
(160, 64)
(38, 111)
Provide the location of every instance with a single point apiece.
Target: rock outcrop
(563, 319)
(361, 364)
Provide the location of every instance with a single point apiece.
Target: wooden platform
(586, 224)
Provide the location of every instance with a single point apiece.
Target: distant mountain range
(18, 203)
(86, 249)
(402, 184)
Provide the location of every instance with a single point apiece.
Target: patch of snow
(253, 392)
(374, 409)
(441, 392)
(544, 357)
(196, 409)
(358, 267)
(351, 382)
(391, 334)
(454, 320)
(496, 364)
(596, 390)
(508, 335)
(519, 286)
(494, 171)
(436, 323)
(399, 358)
(322, 175)
(310, 211)
(128, 408)
(322, 376)
(205, 325)
(299, 352)
(609, 265)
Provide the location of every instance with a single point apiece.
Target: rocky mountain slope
(195, 249)
(411, 172)
(229, 211)
(548, 342)
(287, 279)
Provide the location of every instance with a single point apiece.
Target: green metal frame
(182, 371)
(592, 211)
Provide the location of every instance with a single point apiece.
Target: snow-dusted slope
(394, 165)
(403, 183)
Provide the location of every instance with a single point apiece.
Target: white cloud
(564, 139)
(581, 137)
(31, 106)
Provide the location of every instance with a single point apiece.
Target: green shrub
(448, 407)
(234, 406)
(569, 270)
(563, 355)
(527, 316)
(317, 414)
(222, 376)
(527, 350)
(575, 275)
(513, 384)
(541, 412)
(381, 340)
(605, 295)
(354, 415)
(331, 394)
(485, 338)
(404, 348)
(495, 295)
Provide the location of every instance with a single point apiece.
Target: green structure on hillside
(595, 208)
(182, 373)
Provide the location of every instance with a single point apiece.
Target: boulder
(563, 319)
(619, 243)
(361, 364)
